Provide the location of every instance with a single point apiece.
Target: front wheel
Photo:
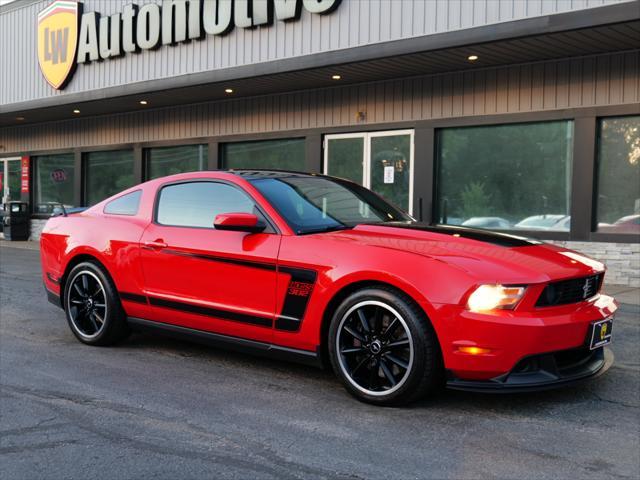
(92, 306)
(383, 347)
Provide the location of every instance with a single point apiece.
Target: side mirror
(239, 222)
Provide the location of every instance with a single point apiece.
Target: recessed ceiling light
(472, 58)
(143, 102)
(336, 77)
(76, 111)
(228, 90)
(20, 119)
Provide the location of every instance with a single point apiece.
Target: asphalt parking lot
(153, 407)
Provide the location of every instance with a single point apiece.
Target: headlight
(490, 297)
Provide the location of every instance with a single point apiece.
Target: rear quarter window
(125, 205)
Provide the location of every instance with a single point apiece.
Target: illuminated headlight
(491, 297)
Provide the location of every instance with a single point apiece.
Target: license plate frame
(599, 338)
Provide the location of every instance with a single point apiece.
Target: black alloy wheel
(383, 348)
(94, 312)
(87, 302)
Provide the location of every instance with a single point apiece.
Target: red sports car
(322, 270)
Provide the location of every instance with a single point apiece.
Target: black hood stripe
(494, 238)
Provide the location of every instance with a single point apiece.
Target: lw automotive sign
(62, 43)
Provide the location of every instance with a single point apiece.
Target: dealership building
(514, 115)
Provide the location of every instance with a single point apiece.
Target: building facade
(514, 115)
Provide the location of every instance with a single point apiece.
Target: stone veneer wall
(622, 259)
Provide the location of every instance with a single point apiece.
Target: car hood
(487, 256)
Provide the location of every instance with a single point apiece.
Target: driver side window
(196, 204)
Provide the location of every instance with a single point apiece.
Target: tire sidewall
(114, 308)
(419, 337)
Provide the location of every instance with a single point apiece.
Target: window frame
(271, 226)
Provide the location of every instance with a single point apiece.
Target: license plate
(600, 333)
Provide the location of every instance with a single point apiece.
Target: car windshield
(321, 204)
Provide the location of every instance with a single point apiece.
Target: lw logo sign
(57, 41)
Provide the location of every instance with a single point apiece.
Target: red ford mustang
(322, 270)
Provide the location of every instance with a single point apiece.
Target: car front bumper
(543, 372)
(493, 347)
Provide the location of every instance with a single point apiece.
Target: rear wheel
(383, 348)
(93, 308)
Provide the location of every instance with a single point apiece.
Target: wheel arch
(343, 293)
(75, 260)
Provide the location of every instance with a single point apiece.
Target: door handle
(155, 245)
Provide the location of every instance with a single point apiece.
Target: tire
(384, 366)
(92, 306)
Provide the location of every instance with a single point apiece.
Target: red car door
(207, 279)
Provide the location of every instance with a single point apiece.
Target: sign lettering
(67, 37)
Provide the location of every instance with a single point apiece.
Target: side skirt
(232, 343)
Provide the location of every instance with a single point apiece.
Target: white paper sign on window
(388, 174)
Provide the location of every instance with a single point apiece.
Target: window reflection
(287, 154)
(107, 173)
(53, 182)
(171, 160)
(506, 177)
(618, 200)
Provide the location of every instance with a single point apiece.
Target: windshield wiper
(328, 228)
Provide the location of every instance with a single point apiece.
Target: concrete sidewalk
(629, 296)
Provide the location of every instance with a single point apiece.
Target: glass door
(381, 161)
(10, 173)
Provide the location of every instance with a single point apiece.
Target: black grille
(570, 291)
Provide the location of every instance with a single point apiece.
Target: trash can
(16, 221)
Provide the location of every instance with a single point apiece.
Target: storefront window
(171, 160)
(279, 154)
(506, 176)
(618, 201)
(53, 182)
(107, 173)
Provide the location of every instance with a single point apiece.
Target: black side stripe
(211, 312)
(295, 302)
(298, 291)
(214, 258)
(133, 297)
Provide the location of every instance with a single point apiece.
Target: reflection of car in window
(487, 222)
(545, 222)
(626, 224)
